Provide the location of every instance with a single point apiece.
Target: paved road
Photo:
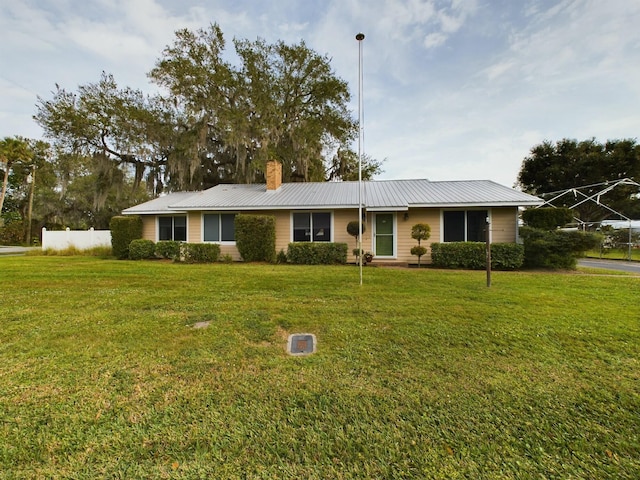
(14, 250)
(621, 265)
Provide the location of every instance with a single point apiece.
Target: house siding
(503, 230)
(503, 225)
(149, 227)
(429, 216)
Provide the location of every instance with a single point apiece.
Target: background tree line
(588, 166)
(213, 122)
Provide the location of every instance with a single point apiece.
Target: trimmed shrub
(199, 252)
(473, 255)
(506, 256)
(317, 253)
(256, 237)
(466, 255)
(168, 249)
(556, 249)
(123, 231)
(547, 218)
(141, 249)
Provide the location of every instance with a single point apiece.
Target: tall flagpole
(359, 38)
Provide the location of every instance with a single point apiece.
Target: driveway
(621, 265)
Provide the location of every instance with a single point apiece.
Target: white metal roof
(377, 195)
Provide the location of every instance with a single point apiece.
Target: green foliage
(142, 249)
(281, 258)
(124, 229)
(12, 232)
(353, 228)
(169, 249)
(557, 249)
(72, 251)
(419, 251)
(226, 258)
(227, 106)
(317, 253)
(473, 255)
(256, 237)
(344, 166)
(547, 218)
(586, 165)
(419, 232)
(199, 252)
(507, 256)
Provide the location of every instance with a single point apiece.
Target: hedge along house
(319, 212)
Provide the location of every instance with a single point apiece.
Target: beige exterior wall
(149, 227)
(504, 224)
(503, 229)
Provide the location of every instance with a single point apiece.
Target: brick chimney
(274, 175)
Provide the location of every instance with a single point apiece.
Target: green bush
(507, 256)
(141, 249)
(556, 249)
(473, 255)
(256, 237)
(123, 231)
(281, 257)
(317, 253)
(12, 233)
(168, 249)
(199, 252)
(547, 218)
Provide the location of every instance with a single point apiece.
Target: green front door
(384, 235)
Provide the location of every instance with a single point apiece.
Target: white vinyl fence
(80, 239)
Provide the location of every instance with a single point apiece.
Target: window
(219, 227)
(464, 225)
(312, 227)
(172, 228)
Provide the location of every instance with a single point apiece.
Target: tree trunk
(5, 181)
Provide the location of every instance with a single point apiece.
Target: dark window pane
(165, 228)
(180, 229)
(321, 227)
(211, 228)
(476, 225)
(453, 226)
(228, 228)
(301, 227)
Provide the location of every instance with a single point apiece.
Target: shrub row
(177, 251)
(547, 218)
(317, 253)
(473, 255)
(557, 249)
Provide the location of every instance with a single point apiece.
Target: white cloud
(453, 88)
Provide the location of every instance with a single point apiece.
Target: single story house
(319, 212)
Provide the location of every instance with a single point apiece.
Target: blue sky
(453, 89)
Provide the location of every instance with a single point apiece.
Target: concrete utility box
(301, 344)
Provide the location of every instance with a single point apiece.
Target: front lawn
(419, 373)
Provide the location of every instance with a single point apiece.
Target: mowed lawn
(419, 373)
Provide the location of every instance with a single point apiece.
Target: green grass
(419, 373)
(615, 254)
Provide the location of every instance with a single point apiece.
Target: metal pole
(488, 240)
(359, 38)
(33, 187)
(630, 239)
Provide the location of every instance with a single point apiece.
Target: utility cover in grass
(301, 344)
